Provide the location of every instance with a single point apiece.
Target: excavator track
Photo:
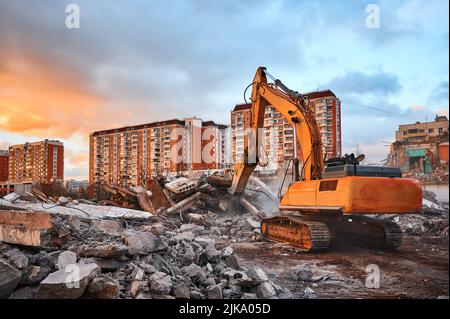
(318, 234)
(308, 235)
(383, 234)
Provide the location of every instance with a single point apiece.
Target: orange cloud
(79, 159)
(42, 99)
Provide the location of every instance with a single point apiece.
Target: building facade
(41, 161)
(73, 186)
(279, 135)
(132, 155)
(422, 131)
(328, 116)
(422, 146)
(4, 160)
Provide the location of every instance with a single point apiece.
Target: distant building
(422, 131)
(41, 161)
(279, 135)
(420, 146)
(4, 160)
(133, 154)
(73, 186)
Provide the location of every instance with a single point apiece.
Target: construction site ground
(419, 269)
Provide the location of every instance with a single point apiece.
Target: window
(430, 130)
(440, 130)
(405, 133)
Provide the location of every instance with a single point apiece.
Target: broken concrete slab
(252, 223)
(142, 243)
(136, 287)
(33, 275)
(233, 262)
(109, 227)
(181, 291)
(9, 278)
(215, 291)
(102, 287)
(265, 291)
(68, 283)
(212, 254)
(31, 228)
(66, 258)
(257, 275)
(23, 293)
(160, 283)
(309, 294)
(108, 264)
(17, 258)
(102, 251)
(247, 295)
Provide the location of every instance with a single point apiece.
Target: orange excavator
(328, 201)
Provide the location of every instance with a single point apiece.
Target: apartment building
(278, 137)
(73, 186)
(133, 154)
(328, 116)
(4, 159)
(422, 131)
(422, 145)
(41, 161)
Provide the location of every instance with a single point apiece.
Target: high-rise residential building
(328, 116)
(133, 154)
(41, 161)
(279, 135)
(4, 159)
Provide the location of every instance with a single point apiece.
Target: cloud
(440, 94)
(148, 61)
(4, 145)
(356, 82)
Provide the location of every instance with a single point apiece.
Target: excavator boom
(293, 108)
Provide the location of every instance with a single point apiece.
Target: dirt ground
(419, 269)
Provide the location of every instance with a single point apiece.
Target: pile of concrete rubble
(171, 239)
(62, 248)
(433, 218)
(438, 175)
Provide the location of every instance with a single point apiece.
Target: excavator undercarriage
(315, 233)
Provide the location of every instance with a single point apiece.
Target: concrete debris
(160, 283)
(265, 290)
(309, 294)
(9, 278)
(33, 275)
(308, 272)
(17, 258)
(68, 283)
(215, 291)
(66, 258)
(257, 275)
(177, 237)
(102, 287)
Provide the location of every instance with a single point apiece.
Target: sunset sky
(133, 62)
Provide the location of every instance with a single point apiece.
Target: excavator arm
(294, 109)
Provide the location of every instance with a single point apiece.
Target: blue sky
(141, 61)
